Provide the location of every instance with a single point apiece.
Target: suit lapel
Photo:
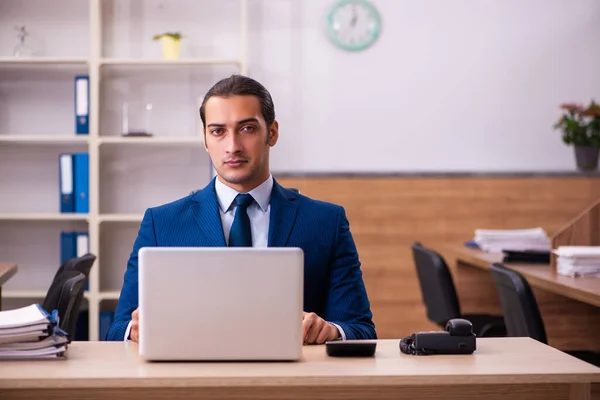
(206, 212)
(283, 215)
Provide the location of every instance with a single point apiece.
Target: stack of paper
(576, 261)
(497, 240)
(30, 332)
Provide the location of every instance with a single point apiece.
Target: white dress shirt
(258, 212)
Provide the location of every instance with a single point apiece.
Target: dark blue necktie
(240, 234)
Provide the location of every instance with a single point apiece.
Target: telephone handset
(458, 338)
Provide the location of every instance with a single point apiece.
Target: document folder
(81, 184)
(82, 104)
(67, 201)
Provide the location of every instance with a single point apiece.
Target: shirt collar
(261, 194)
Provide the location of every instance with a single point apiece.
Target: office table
(584, 289)
(502, 368)
(7, 270)
(570, 307)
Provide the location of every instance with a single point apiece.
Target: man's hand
(134, 334)
(317, 330)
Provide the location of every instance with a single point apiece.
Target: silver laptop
(220, 303)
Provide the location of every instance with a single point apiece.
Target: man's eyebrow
(240, 122)
(243, 121)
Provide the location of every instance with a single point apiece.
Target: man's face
(238, 140)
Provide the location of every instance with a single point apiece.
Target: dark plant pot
(586, 157)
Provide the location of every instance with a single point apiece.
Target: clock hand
(354, 16)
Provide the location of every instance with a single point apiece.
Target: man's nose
(233, 143)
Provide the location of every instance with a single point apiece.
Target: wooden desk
(570, 307)
(7, 270)
(502, 368)
(584, 289)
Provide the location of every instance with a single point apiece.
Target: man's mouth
(235, 163)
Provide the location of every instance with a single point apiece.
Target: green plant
(580, 125)
(172, 35)
(592, 113)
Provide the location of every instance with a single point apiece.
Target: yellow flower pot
(170, 48)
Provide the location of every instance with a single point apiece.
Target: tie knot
(243, 200)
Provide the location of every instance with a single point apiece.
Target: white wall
(452, 85)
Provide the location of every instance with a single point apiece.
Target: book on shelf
(106, 320)
(74, 182)
(74, 245)
(82, 105)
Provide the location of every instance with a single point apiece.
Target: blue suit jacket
(333, 284)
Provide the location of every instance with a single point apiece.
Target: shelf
(155, 140)
(164, 63)
(31, 294)
(120, 217)
(43, 61)
(43, 217)
(44, 139)
(23, 294)
(113, 295)
(43, 65)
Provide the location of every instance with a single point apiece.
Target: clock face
(353, 24)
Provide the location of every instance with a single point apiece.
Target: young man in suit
(245, 206)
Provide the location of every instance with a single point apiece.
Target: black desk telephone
(458, 338)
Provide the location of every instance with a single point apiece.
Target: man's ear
(273, 134)
(204, 139)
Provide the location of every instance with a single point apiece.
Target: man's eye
(217, 131)
(248, 128)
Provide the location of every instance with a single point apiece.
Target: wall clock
(353, 24)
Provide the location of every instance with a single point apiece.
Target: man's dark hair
(239, 85)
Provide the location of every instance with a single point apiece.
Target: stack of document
(498, 240)
(577, 261)
(31, 333)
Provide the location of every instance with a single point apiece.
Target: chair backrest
(82, 264)
(519, 306)
(437, 287)
(65, 295)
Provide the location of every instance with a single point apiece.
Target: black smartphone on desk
(351, 348)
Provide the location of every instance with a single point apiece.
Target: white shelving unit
(111, 41)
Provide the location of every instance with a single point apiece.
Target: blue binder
(82, 247)
(68, 246)
(72, 245)
(106, 320)
(81, 169)
(65, 176)
(82, 104)
(82, 326)
(82, 243)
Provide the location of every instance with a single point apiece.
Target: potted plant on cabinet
(170, 44)
(580, 127)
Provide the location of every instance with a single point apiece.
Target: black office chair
(82, 264)
(440, 298)
(521, 312)
(65, 295)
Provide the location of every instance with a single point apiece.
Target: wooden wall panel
(387, 214)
